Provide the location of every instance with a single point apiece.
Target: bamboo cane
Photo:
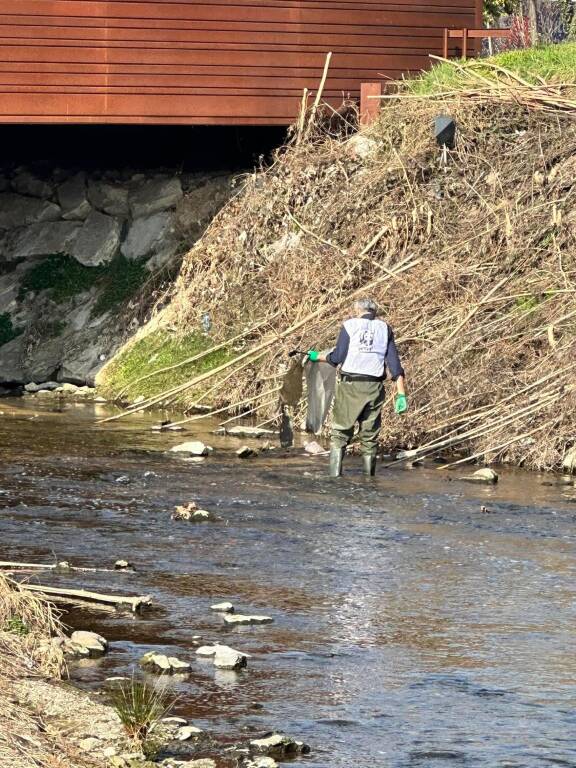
(265, 345)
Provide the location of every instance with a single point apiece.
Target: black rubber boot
(336, 456)
(369, 465)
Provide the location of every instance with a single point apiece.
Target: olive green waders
(356, 402)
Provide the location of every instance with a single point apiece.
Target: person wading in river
(365, 348)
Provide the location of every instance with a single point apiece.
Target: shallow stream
(410, 628)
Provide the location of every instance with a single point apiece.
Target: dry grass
(26, 625)
(472, 253)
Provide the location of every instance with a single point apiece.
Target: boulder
(73, 198)
(239, 619)
(95, 644)
(122, 565)
(47, 385)
(222, 608)
(45, 239)
(148, 235)
(155, 195)
(206, 651)
(261, 762)
(245, 452)
(191, 448)
(75, 651)
(27, 183)
(161, 664)
(485, 476)
(17, 211)
(279, 745)
(569, 461)
(108, 198)
(98, 240)
(229, 658)
(187, 732)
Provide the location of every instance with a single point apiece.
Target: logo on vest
(366, 340)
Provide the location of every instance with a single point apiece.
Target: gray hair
(366, 305)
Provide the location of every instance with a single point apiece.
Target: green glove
(400, 404)
(313, 355)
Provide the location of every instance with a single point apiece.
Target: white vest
(368, 345)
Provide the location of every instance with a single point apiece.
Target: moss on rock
(120, 379)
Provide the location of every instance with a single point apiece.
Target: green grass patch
(159, 350)
(555, 63)
(7, 330)
(16, 626)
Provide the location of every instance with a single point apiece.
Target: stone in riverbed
(261, 762)
(206, 651)
(48, 385)
(161, 664)
(239, 619)
(95, 644)
(98, 240)
(191, 448)
(485, 476)
(222, 607)
(187, 732)
(279, 745)
(245, 452)
(229, 658)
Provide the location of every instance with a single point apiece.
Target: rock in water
(222, 608)
(187, 732)
(484, 476)
(245, 452)
(162, 664)
(206, 651)
(191, 448)
(262, 762)
(95, 644)
(228, 658)
(279, 745)
(238, 619)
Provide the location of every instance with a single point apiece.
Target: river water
(410, 628)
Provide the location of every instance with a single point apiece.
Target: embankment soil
(470, 251)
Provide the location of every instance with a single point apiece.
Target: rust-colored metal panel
(219, 62)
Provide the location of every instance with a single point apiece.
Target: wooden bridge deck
(217, 62)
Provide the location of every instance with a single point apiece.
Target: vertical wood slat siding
(222, 62)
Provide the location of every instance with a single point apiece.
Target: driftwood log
(84, 597)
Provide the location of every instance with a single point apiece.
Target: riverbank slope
(469, 247)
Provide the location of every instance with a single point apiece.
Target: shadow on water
(411, 629)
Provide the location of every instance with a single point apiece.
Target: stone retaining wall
(105, 222)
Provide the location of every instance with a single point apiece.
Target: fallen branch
(72, 595)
